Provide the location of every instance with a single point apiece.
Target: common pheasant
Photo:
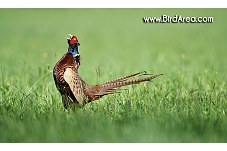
(74, 90)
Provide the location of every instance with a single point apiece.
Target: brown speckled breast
(67, 61)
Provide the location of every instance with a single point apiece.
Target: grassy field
(187, 104)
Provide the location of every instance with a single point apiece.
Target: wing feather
(73, 80)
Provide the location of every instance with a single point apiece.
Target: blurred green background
(187, 104)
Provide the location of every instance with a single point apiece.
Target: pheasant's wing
(75, 84)
(97, 91)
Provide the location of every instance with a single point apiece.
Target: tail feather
(110, 87)
(125, 82)
(126, 77)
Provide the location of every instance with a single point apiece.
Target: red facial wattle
(73, 40)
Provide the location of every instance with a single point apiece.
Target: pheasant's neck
(73, 49)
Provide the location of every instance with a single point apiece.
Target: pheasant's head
(73, 45)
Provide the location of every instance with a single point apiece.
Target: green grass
(187, 104)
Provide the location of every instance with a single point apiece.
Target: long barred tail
(127, 80)
(127, 77)
(111, 86)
